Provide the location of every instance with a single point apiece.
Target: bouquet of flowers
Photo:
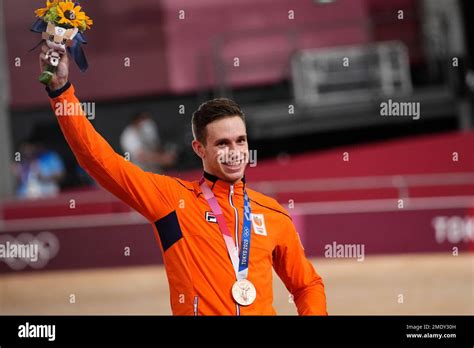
(62, 23)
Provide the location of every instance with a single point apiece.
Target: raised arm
(150, 194)
(298, 274)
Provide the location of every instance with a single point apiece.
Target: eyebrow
(244, 136)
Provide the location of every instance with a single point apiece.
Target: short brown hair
(211, 111)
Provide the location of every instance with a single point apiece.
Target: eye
(64, 41)
(51, 37)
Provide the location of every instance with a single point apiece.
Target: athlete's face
(226, 151)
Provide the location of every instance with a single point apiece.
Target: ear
(70, 33)
(50, 29)
(198, 148)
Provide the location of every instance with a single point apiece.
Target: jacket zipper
(196, 299)
(236, 214)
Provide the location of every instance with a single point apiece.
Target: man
(40, 171)
(219, 239)
(141, 141)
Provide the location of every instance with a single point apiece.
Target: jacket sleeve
(298, 274)
(152, 195)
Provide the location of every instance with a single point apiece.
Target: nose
(232, 146)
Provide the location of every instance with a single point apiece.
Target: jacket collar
(216, 183)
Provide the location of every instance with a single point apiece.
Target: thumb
(65, 57)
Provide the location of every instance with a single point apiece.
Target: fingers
(65, 58)
(42, 60)
(62, 70)
(44, 51)
(44, 48)
(42, 56)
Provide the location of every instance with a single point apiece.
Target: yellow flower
(42, 11)
(89, 22)
(72, 15)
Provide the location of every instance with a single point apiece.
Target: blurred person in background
(141, 141)
(39, 170)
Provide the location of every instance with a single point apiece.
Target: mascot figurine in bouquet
(62, 23)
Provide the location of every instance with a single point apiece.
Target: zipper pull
(231, 190)
(196, 299)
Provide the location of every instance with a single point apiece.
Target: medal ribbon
(239, 262)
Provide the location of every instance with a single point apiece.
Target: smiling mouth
(234, 164)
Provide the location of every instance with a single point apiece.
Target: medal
(244, 292)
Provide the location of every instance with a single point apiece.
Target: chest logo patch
(210, 217)
(258, 223)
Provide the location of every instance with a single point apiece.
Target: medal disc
(244, 292)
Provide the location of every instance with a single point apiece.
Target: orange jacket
(198, 267)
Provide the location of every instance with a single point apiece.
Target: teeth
(234, 163)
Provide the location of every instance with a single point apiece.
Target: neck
(212, 177)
